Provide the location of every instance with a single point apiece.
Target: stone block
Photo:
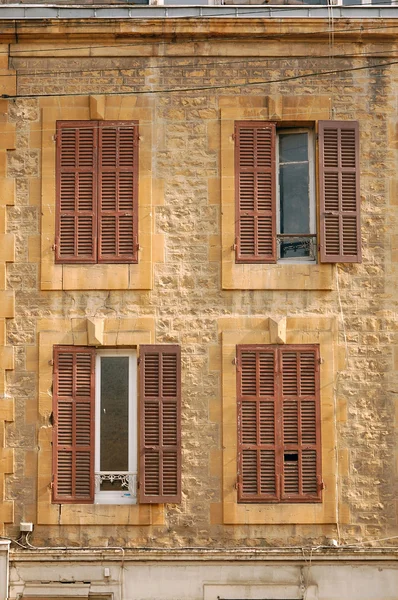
(7, 247)
(7, 304)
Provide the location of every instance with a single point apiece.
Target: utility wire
(363, 28)
(211, 87)
(206, 65)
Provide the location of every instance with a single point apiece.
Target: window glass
(294, 196)
(114, 413)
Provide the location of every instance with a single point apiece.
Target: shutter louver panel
(340, 237)
(279, 446)
(255, 191)
(118, 192)
(256, 424)
(160, 430)
(73, 434)
(300, 423)
(76, 214)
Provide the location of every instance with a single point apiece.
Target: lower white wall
(187, 580)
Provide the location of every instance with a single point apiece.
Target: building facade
(198, 310)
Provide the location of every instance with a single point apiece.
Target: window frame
(312, 199)
(117, 497)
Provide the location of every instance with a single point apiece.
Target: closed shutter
(340, 238)
(255, 192)
(257, 421)
(279, 445)
(73, 432)
(76, 210)
(118, 191)
(300, 436)
(160, 424)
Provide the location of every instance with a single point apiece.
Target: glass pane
(114, 413)
(293, 147)
(294, 198)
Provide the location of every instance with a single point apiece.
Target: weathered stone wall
(187, 299)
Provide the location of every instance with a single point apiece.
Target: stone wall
(187, 300)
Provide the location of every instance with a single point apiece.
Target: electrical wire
(208, 87)
(363, 29)
(185, 67)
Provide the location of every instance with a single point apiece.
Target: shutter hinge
(235, 361)
(234, 136)
(234, 246)
(139, 360)
(51, 363)
(321, 485)
(321, 360)
(54, 247)
(54, 137)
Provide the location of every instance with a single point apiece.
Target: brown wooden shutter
(279, 445)
(118, 191)
(160, 424)
(255, 192)
(300, 436)
(76, 182)
(73, 431)
(340, 226)
(257, 420)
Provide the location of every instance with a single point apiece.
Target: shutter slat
(279, 445)
(160, 430)
(340, 235)
(118, 191)
(73, 433)
(76, 176)
(255, 192)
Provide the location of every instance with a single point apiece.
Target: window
(275, 193)
(95, 436)
(115, 424)
(279, 457)
(97, 192)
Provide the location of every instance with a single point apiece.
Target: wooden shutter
(257, 392)
(340, 237)
(160, 424)
(279, 442)
(76, 182)
(118, 191)
(255, 192)
(73, 431)
(300, 418)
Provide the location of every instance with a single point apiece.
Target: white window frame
(130, 495)
(311, 186)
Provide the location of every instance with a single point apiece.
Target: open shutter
(73, 432)
(257, 391)
(76, 181)
(160, 424)
(340, 237)
(118, 191)
(300, 443)
(255, 192)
